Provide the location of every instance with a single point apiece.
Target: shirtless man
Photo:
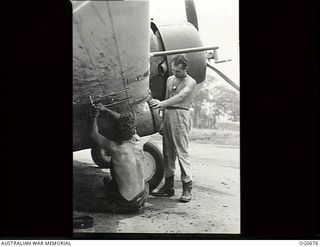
(127, 189)
(176, 127)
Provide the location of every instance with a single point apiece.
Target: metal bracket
(214, 56)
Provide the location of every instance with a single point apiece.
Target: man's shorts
(118, 205)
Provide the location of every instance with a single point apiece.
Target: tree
(201, 95)
(226, 102)
(212, 102)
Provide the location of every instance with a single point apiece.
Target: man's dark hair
(126, 126)
(180, 59)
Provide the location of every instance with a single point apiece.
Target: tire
(154, 170)
(100, 157)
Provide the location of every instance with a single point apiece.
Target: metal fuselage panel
(111, 50)
(111, 46)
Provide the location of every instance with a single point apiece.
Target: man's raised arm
(114, 115)
(98, 139)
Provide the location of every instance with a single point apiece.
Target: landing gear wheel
(100, 157)
(153, 170)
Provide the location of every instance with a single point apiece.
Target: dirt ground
(215, 207)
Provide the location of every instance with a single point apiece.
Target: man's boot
(186, 193)
(167, 189)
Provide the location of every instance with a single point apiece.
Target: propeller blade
(227, 79)
(191, 13)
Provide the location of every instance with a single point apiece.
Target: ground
(215, 207)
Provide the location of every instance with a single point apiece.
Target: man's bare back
(128, 164)
(127, 187)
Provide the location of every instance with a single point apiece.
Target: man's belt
(176, 107)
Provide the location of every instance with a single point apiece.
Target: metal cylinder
(182, 37)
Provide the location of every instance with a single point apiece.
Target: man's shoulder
(140, 139)
(170, 78)
(191, 79)
(114, 145)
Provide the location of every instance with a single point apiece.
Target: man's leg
(181, 132)
(111, 192)
(169, 157)
(109, 181)
(114, 207)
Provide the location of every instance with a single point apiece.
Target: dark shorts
(119, 205)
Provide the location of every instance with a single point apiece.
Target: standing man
(176, 127)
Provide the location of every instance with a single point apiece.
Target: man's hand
(154, 103)
(94, 112)
(101, 107)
